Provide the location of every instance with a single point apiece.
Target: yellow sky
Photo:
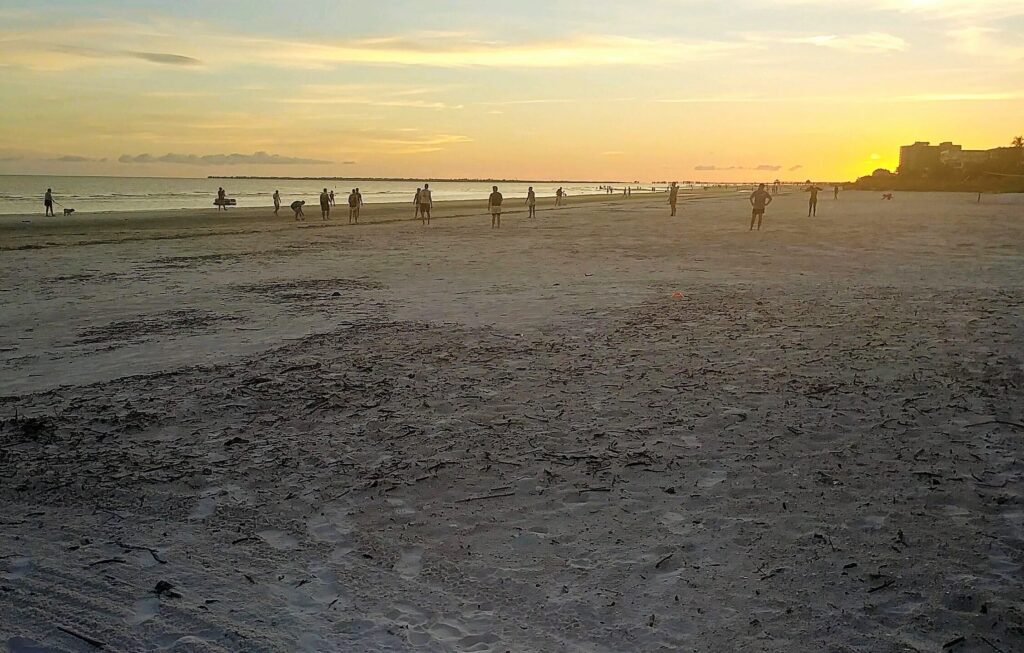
(665, 89)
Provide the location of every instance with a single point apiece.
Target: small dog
(68, 211)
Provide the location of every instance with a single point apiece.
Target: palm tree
(1018, 141)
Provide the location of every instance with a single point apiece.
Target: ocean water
(21, 195)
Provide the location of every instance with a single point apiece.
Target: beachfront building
(922, 159)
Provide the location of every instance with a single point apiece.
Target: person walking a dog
(48, 202)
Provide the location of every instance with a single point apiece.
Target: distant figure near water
(494, 207)
(776, 187)
(277, 202)
(222, 199)
(331, 196)
(673, 196)
(531, 202)
(355, 200)
(812, 204)
(558, 196)
(48, 202)
(325, 205)
(759, 199)
(416, 203)
(297, 207)
(425, 201)
(835, 192)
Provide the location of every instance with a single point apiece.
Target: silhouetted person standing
(48, 202)
(494, 207)
(531, 202)
(835, 192)
(277, 202)
(812, 203)
(425, 202)
(353, 206)
(222, 199)
(558, 197)
(325, 205)
(673, 196)
(759, 199)
(416, 203)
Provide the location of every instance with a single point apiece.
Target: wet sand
(601, 430)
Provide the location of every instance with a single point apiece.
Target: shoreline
(34, 231)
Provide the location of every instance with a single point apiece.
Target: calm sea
(24, 194)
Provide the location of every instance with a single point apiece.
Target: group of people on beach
(423, 202)
(761, 198)
(355, 203)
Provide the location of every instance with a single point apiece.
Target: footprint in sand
(19, 568)
(410, 562)
(143, 610)
(313, 594)
(194, 644)
(279, 540)
(713, 478)
(26, 645)
(870, 523)
(329, 526)
(204, 508)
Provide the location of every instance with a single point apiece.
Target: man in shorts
(531, 202)
(426, 202)
(759, 199)
(673, 196)
(353, 206)
(494, 207)
(277, 202)
(297, 207)
(48, 202)
(325, 205)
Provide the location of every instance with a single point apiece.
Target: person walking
(494, 207)
(277, 202)
(835, 192)
(531, 202)
(673, 196)
(558, 196)
(325, 205)
(416, 203)
(426, 202)
(48, 202)
(222, 199)
(759, 199)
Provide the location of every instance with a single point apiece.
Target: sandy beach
(604, 429)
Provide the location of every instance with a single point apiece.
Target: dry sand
(601, 430)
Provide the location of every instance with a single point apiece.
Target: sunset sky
(533, 89)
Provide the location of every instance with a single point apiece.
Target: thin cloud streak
(256, 158)
(87, 43)
(934, 9)
(921, 97)
(73, 158)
